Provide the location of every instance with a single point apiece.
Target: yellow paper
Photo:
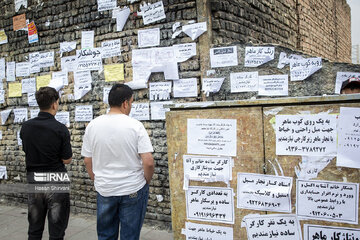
(15, 90)
(114, 72)
(3, 37)
(42, 81)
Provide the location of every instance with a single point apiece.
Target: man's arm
(88, 165)
(148, 165)
(67, 161)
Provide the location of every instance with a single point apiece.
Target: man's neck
(116, 110)
(49, 111)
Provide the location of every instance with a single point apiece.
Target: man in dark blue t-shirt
(46, 143)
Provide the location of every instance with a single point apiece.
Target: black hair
(46, 96)
(118, 94)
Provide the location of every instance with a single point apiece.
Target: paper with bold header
(5, 115)
(184, 51)
(342, 77)
(306, 135)
(140, 111)
(212, 204)
(223, 57)
(19, 3)
(327, 201)
(83, 113)
(194, 231)
(158, 110)
(159, 91)
(10, 71)
(211, 85)
(274, 85)
(121, 17)
(303, 68)
(87, 39)
(89, 59)
(104, 5)
(15, 89)
(43, 81)
(2, 69)
(28, 85)
(211, 137)
(185, 88)
(69, 63)
(314, 232)
(256, 56)
(32, 33)
(111, 48)
(152, 12)
(32, 100)
(348, 150)
(272, 226)
(244, 82)
(22, 69)
(194, 30)
(114, 72)
(264, 192)
(82, 83)
(3, 37)
(19, 22)
(149, 37)
(63, 117)
(285, 60)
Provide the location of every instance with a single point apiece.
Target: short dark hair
(118, 94)
(46, 96)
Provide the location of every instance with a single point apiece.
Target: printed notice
(63, 117)
(264, 192)
(69, 63)
(89, 59)
(61, 78)
(244, 82)
(19, 22)
(185, 88)
(28, 85)
(158, 110)
(32, 99)
(194, 231)
(20, 115)
(15, 89)
(104, 5)
(82, 83)
(10, 71)
(83, 113)
(19, 3)
(194, 30)
(211, 85)
(140, 111)
(285, 60)
(306, 135)
(211, 136)
(121, 15)
(67, 47)
(34, 62)
(46, 59)
(317, 232)
(303, 68)
(22, 69)
(32, 33)
(223, 57)
(211, 204)
(159, 90)
(184, 51)
(152, 12)
(114, 72)
(327, 201)
(348, 151)
(273, 226)
(149, 37)
(256, 56)
(43, 81)
(342, 77)
(87, 39)
(111, 48)
(273, 85)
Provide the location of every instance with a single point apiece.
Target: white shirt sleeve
(144, 143)
(86, 150)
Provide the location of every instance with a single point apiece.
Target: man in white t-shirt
(118, 157)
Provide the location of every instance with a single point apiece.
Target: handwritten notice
(306, 135)
(349, 138)
(63, 117)
(20, 115)
(82, 84)
(184, 51)
(244, 82)
(158, 110)
(194, 231)
(273, 226)
(28, 85)
(185, 88)
(83, 113)
(10, 71)
(159, 90)
(303, 68)
(19, 3)
(89, 59)
(5, 115)
(19, 22)
(34, 112)
(87, 39)
(207, 168)
(43, 81)
(194, 30)
(273, 85)
(328, 201)
(32, 99)
(114, 72)
(106, 91)
(34, 62)
(264, 192)
(22, 69)
(211, 204)
(223, 57)
(3, 37)
(152, 12)
(317, 232)
(211, 136)
(342, 77)
(111, 48)
(2, 69)
(32, 33)
(211, 85)
(121, 15)
(69, 63)
(104, 5)
(256, 56)
(285, 60)
(149, 37)
(46, 59)
(15, 89)
(2, 96)
(140, 111)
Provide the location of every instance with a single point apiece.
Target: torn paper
(311, 166)
(3, 37)
(19, 3)
(285, 60)
(4, 115)
(3, 172)
(121, 16)
(194, 30)
(303, 68)
(256, 56)
(211, 85)
(67, 47)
